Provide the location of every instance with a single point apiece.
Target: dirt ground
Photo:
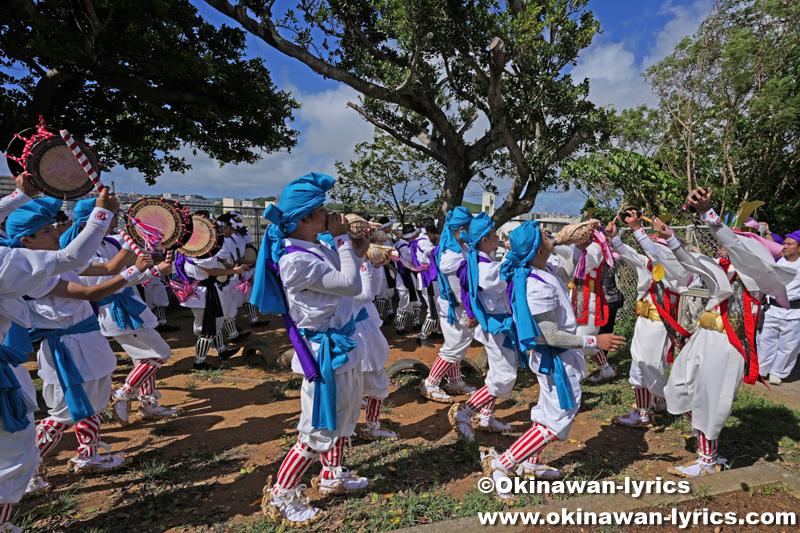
(205, 470)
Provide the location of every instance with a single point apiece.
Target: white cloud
(613, 69)
(330, 131)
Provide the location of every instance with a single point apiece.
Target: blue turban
(525, 243)
(29, 219)
(456, 219)
(80, 214)
(299, 199)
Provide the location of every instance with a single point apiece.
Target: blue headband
(30, 218)
(457, 218)
(298, 200)
(80, 215)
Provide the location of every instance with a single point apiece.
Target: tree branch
(414, 60)
(391, 131)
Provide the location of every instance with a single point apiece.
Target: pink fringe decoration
(423, 268)
(241, 287)
(151, 235)
(40, 135)
(183, 290)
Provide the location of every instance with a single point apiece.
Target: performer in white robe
(23, 271)
(315, 291)
(75, 360)
(231, 254)
(489, 303)
(409, 304)
(427, 282)
(651, 343)
(555, 354)
(375, 354)
(779, 340)
(588, 299)
(458, 327)
(707, 373)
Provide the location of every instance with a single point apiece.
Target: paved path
(787, 393)
(738, 479)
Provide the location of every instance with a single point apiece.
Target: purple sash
(510, 288)
(301, 348)
(426, 276)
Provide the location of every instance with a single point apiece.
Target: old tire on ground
(482, 361)
(414, 366)
(468, 366)
(262, 349)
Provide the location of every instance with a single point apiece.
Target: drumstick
(85, 164)
(168, 257)
(620, 210)
(153, 270)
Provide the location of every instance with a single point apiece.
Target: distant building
(7, 185)
(487, 203)
(231, 204)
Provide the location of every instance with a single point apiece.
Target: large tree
(429, 69)
(140, 79)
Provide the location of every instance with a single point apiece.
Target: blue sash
(334, 344)
(13, 411)
(68, 374)
(125, 309)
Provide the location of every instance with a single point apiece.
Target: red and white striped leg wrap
(147, 392)
(643, 401)
(440, 368)
(374, 406)
(48, 435)
(332, 459)
(88, 433)
(140, 373)
(658, 400)
(488, 408)
(5, 513)
(478, 400)
(600, 358)
(688, 415)
(532, 442)
(454, 373)
(293, 467)
(707, 448)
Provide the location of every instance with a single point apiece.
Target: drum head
(203, 239)
(52, 166)
(222, 280)
(160, 214)
(250, 253)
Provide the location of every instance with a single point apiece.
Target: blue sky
(635, 34)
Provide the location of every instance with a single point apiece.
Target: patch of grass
(167, 427)
(153, 470)
(191, 383)
(407, 381)
(61, 505)
(294, 383)
(213, 375)
(387, 406)
(228, 456)
(161, 383)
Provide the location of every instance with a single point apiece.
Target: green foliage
(140, 80)
(388, 177)
(428, 70)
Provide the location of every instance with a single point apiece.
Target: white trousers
(649, 348)
(144, 343)
(376, 383)
(704, 379)
(19, 458)
(778, 346)
(98, 392)
(457, 337)
(197, 326)
(155, 294)
(548, 411)
(503, 364)
(349, 386)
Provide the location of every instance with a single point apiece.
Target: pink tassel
(241, 287)
(183, 290)
(151, 235)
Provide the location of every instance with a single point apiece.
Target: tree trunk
(457, 176)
